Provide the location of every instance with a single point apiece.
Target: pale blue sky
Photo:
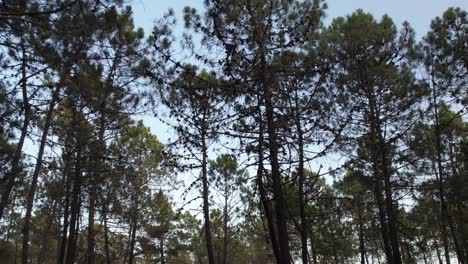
(418, 12)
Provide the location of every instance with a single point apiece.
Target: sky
(418, 13)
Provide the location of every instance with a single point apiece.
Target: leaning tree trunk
(15, 162)
(37, 170)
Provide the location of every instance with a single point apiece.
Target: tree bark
(280, 202)
(262, 191)
(362, 249)
(94, 182)
(66, 210)
(440, 179)
(75, 206)
(106, 235)
(15, 162)
(161, 250)
(206, 206)
(37, 169)
(381, 170)
(131, 254)
(300, 171)
(225, 220)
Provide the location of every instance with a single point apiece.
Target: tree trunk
(37, 169)
(206, 206)
(161, 250)
(382, 216)
(92, 201)
(225, 220)
(15, 162)
(75, 206)
(262, 191)
(362, 249)
(66, 210)
(381, 172)
(391, 212)
(280, 202)
(106, 235)
(440, 178)
(313, 252)
(132, 240)
(300, 171)
(94, 182)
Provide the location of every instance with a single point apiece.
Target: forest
(291, 140)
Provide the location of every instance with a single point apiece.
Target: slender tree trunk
(313, 250)
(106, 235)
(362, 249)
(75, 206)
(66, 210)
(300, 171)
(91, 213)
(206, 206)
(37, 169)
(225, 220)
(381, 172)
(131, 255)
(457, 226)
(381, 214)
(94, 182)
(161, 250)
(15, 162)
(461, 219)
(443, 205)
(439, 257)
(280, 202)
(392, 215)
(262, 191)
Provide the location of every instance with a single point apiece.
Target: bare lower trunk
(91, 212)
(362, 249)
(313, 251)
(206, 207)
(161, 250)
(280, 203)
(94, 182)
(443, 205)
(300, 171)
(131, 253)
(66, 213)
(75, 208)
(225, 222)
(263, 194)
(106, 236)
(15, 162)
(35, 178)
